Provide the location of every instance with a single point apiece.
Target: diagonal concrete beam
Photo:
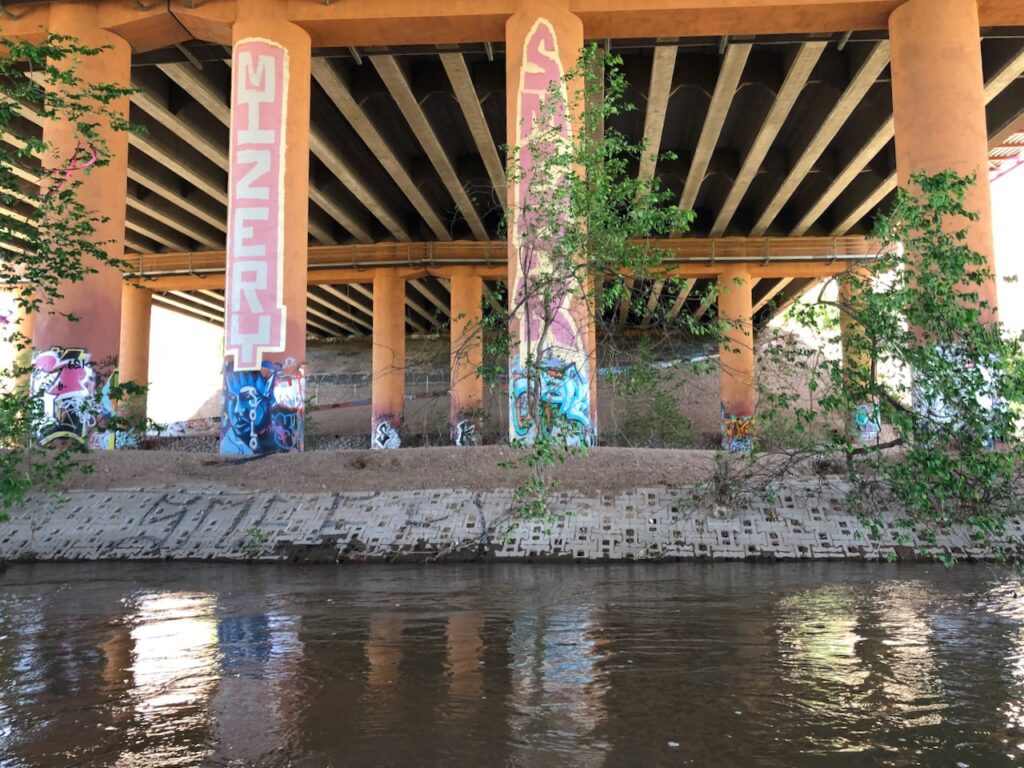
(432, 297)
(398, 86)
(340, 310)
(312, 298)
(175, 221)
(774, 291)
(658, 93)
(857, 163)
(652, 302)
(469, 102)
(684, 294)
(866, 76)
(199, 87)
(625, 302)
(995, 85)
(796, 78)
(338, 92)
(725, 90)
(163, 298)
(350, 300)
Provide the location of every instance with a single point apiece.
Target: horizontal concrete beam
(151, 25)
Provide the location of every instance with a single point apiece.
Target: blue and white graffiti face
(263, 411)
(564, 401)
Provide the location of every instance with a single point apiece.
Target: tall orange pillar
(736, 371)
(268, 201)
(136, 312)
(467, 354)
(939, 106)
(388, 360)
(553, 343)
(74, 359)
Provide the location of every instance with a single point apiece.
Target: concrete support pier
(736, 375)
(74, 359)
(268, 209)
(136, 314)
(388, 383)
(467, 352)
(938, 99)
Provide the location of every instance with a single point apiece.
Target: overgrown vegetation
(49, 235)
(581, 228)
(926, 369)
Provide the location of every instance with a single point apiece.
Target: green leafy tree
(48, 236)
(583, 228)
(924, 356)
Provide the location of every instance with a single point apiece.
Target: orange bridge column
(387, 398)
(736, 374)
(136, 312)
(265, 299)
(74, 360)
(552, 346)
(864, 425)
(939, 105)
(467, 354)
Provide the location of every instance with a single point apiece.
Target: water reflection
(833, 665)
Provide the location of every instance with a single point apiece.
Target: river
(820, 664)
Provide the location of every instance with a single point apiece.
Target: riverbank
(445, 504)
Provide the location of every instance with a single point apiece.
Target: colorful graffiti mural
(866, 424)
(738, 433)
(255, 318)
(550, 323)
(385, 436)
(66, 381)
(564, 402)
(263, 411)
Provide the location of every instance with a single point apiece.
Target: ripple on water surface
(143, 666)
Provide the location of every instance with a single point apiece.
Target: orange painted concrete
(96, 300)
(939, 105)
(136, 312)
(388, 358)
(467, 349)
(262, 19)
(736, 375)
(401, 22)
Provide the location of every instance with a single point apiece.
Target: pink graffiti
(70, 372)
(538, 193)
(255, 312)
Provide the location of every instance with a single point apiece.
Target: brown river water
(822, 664)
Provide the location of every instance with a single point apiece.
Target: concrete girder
(725, 90)
(314, 299)
(339, 93)
(213, 100)
(658, 93)
(866, 76)
(994, 86)
(469, 102)
(771, 294)
(652, 302)
(796, 78)
(432, 297)
(684, 294)
(398, 86)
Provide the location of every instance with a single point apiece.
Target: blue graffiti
(263, 411)
(564, 394)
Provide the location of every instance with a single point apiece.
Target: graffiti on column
(465, 433)
(255, 311)
(737, 432)
(66, 381)
(548, 326)
(866, 424)
(385, 436)
(262, 411)
(564, 401)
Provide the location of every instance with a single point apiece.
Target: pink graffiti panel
(255, 312)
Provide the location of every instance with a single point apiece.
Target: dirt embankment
(478, 469)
